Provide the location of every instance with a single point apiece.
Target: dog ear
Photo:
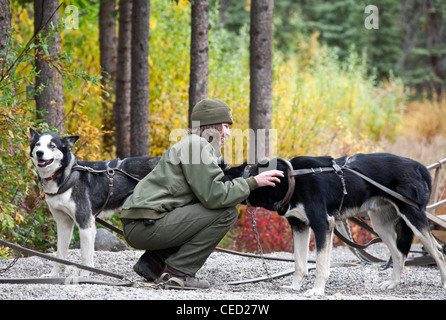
(234, 172)
(69, 141)
(34, 135)
(265, 165)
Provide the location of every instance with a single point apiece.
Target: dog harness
(293, 173)
(69, 180)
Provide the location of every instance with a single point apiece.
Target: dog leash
(251, 211)
(385, 189)
(59, 260)
(69, 280)
(171, 283)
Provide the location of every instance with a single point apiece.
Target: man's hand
(269, 178)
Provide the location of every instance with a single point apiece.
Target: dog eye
(38, 144)
(52, 147)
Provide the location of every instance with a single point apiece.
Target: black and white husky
(74, 196)
(318, 201)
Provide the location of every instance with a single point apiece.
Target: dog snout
(39, 154)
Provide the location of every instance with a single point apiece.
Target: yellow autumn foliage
(320, 106)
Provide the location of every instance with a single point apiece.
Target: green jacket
(187, 173)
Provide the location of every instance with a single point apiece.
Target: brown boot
(189, 281)
(149, 266)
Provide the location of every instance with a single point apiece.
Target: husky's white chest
(62, 203)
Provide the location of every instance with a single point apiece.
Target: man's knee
(231, 215)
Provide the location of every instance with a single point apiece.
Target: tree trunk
(123, 79)
(433, 41)
(199, 54)
(260, 63)
(139, 99)
(108, 57)
(50, 102)
(5, 26)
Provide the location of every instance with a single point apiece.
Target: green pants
(185, 237)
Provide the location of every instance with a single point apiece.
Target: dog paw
(55, 272)
(48, 275)
(387, 285)
(291, 288)
(73, 271)
(314, 292)
(84, 273)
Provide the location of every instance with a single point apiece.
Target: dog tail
(426, 185)
(417, 189)
(425, 174)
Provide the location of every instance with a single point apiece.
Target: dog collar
(58, 173)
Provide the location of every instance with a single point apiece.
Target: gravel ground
(359, 282)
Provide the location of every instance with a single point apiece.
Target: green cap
(211, 111)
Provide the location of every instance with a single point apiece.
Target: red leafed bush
(359, 234)
(274, 233)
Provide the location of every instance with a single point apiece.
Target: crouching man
(181, 210)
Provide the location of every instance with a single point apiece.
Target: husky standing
(77, 191)
(328, 190)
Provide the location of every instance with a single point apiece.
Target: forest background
(338, 88)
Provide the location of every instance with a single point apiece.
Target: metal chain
(28, 233)
(251, 211)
